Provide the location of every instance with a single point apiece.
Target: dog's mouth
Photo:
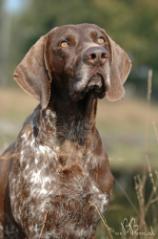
(95, 85)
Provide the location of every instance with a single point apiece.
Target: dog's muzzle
(93, 78)
(96, 85)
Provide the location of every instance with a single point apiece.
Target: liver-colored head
(76, 60)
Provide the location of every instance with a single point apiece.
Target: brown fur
(59, 172)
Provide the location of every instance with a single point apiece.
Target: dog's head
(78, 59)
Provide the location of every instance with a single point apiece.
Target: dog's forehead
(80, 29)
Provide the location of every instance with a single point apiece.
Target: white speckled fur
(43, 185)
(59, 177)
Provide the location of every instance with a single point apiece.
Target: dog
(55, 177)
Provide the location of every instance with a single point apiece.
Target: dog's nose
(95, 56)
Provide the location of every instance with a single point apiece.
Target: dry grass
(127, 111)
(139, 226)
(121, 124)
(15, 104)
(142, 222)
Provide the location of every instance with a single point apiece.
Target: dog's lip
(96, 79)
(96, 85)
(97, 82)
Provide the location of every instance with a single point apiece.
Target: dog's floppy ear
(32, 73)
(120, 68)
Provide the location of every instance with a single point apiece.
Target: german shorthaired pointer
(56, 177)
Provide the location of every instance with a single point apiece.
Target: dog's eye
(101, 41)
(64, 44)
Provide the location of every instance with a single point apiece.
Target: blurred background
(129, 128)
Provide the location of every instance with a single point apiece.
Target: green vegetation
(133, 24)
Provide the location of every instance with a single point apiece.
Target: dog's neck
(74, 118)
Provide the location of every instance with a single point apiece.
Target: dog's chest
(62, 191)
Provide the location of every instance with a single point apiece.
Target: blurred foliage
(132, 24)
